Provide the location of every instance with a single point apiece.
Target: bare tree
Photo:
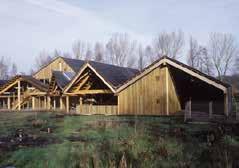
(66, 55)
(3, 68)
(79, 49)
(13, 71)
(57, 53)
(169, 44)
(205, 62)
(89, 53)
(99, 52)
(149, 54)
(121, 50)
(198, 57)
(141, 57)
(222, 49)
(193, 55)
(43, 59)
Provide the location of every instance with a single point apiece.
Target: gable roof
(75, 64)
(36, 83)
(63, 78)
(192, 71)
(113, 76)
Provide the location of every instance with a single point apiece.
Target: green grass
(99, 141)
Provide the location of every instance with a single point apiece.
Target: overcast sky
(30, 26)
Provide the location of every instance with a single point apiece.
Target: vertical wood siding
(46, 72)
(147, 96)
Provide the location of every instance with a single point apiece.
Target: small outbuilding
(168, 87)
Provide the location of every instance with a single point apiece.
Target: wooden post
(61, 102)
(19, 95)
(81, 105)
(49, 102)
(28, 105)
(67, 104)
(45, 102)
(226, 105)
(210, 109)
(39, 106)
(4, 104)
(33, 103)
(167, 92)
(188, 110)
(54, 103)
(9, 103)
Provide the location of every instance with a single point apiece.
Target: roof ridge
(111, 65)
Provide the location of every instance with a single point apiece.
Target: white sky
(30, 26)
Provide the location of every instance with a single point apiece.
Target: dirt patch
(22, 139)
(110, 123)
(57, 116)
(80, 139)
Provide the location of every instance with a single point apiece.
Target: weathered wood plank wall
(57, 65)
(97, 109)
(148, 95)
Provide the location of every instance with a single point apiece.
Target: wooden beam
(19, 95)
(81, 84)
(8, 87)
(54, 103)
(167, 92)
(33, 103)
(61, 102)
(45, 102)
(83, 76)
(67, 105)
(81, 104)
(49, 102)
(9, 103)
(83, 92)
(210, 109)
(226, 111)
(38, 93)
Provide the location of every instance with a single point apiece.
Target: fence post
(188, 110)
(210, 109)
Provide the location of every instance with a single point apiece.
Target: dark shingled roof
(114, 75)
(63, 78)
(35, 82)
(3, 82)
(75, 64)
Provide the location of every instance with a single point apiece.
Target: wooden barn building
(166, 87)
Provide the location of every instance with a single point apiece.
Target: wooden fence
(97, 109)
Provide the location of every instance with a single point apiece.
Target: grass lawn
(42, 140)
